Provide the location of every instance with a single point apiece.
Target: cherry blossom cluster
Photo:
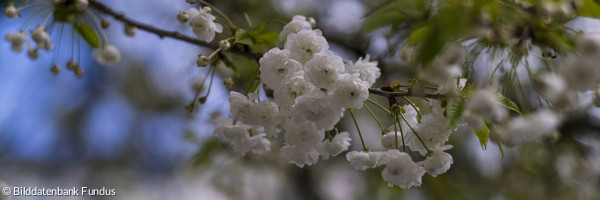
(312, 88)
(400, 169)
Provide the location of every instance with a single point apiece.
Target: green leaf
(243, 37)
(244, 67)
(206, 152)
(506, 102)
(589, 8)
(88, 34)
(483, 135)
(454, 110)
(500, 147)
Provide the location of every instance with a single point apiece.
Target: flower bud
(224, 45)
(228, 82)
(130, 30)
(207, 9)
(81, 4)
(11, 12)
(72, 65)
(104, 23)
(191, 1)
(79, 72)
(55, 70)
(312, 22)
(33, 54)
(183, 16)
(202, 61)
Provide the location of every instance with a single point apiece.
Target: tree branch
(162, 33)
(377, 91)
(176, 35)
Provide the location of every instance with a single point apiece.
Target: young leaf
(88, 34)
(589, 8)
(454, 111)
(243, 37)
(483, 135)
(500, 147)
(506, 102)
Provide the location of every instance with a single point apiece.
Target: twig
(160, 32)
(380, 92)
(176, 35)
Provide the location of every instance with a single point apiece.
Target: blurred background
(125, 126)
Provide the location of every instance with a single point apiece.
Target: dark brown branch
(380, 92)
(160, 32)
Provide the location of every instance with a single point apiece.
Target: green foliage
(483, 135)
(87, 33)
(506, 102)
(589, 8)
(454, 110)
(258, 39)
(206, 152)
(501, 23)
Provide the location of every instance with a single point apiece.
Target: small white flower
(107, 55)
(589, 45)
(324, 69)
(486, 104)
(275, 65)
(17, 39)
(239, 138)
(581, 74)
(11, 11)
(305, 44)
(401, 170)
(529, 128)
(241, 108)
(361, 160)
(300, 156)
(553, 87)
(297, 24)
(293, 86)
(41, 38)
(368, 71)
(350, 91)
(437, 163)
(203, 24)
(303, 135)
(317, 108)
(337, 145)
(264, 112)
(432, 130)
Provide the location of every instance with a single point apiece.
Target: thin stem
(32, 5)
(415, 132)
(395, 130)
(376, 120)
(160, 32)
(380, 92)
(397, 121)
(414, 106)
(359, 133)
(97, 28)
(212, 77)
(47, 17)
(379, 106)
